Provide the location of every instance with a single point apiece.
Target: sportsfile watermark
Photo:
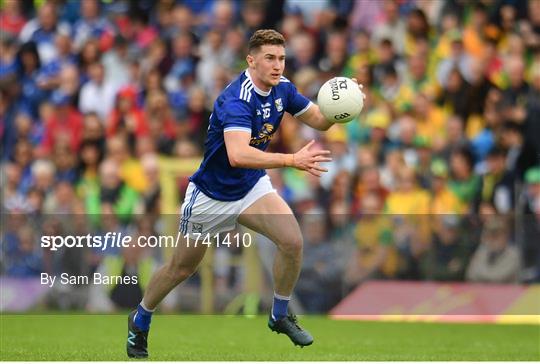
(73, 256)
(122, 240)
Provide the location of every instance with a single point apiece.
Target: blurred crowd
(439, 177)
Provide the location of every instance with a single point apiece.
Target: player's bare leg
(272, 217)
(182, 264)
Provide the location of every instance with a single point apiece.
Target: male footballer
(231, 185)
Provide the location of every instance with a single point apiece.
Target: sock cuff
(280, 297)
(143, 306)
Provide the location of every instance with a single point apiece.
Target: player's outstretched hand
(308, 160)
(360, 86)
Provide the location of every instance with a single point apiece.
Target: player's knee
(293, 245)
(180, 273)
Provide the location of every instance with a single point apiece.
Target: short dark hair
(264, 37)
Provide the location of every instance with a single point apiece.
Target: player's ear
(250, 60)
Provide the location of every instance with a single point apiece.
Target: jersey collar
(257, 90)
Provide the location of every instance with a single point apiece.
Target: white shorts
(203, 215)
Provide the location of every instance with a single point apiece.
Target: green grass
(176, 337)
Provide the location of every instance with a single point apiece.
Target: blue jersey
(243, 107)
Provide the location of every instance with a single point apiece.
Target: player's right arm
(242, 155)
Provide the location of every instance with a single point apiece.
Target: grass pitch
(175, 337)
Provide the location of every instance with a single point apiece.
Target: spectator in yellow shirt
(131, 170)
(430, 119)
(474, 33)
(443, 200)
(409, 206)
(375, 255)
(408, 198)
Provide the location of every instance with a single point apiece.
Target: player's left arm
(314, 118)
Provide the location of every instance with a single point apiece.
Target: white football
(340, 100)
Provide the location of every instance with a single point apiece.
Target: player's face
(268, 64)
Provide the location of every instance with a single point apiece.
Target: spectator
(213, 52)
(184, 61)
(64, 125)
(458, 59)
(473, 33)
(43, 29)
(530, 207)
(117, 62)
(463, 182)
(23, 258)
(152, 193)
(182, 20)
(387, 60)
(334, 61)
(62, 200)
(23, 158)
(393, 27)
(69, 82)
(65, 162)
(31, 78)
(92, 25)
(518, 88)
(98, 94)
(198, 116)
(429, 119)
(369, 182)
(342, 156)
(530, 30)
(64, 58)
(93, 130)
(532, 125)
(127, 119)
(162, 128)
(8, 55)
(91, 156)
(449, 254)
(375, 256)
(114, 192)
(409, 207)
(88, 55)
(43, 173)
(11, 194)
(522, 155)
(497, 184)
(130, 170)
(418, 31)
(303, 49)
(454, 95)
(495, 260)
(455, 137)
(443, 199)
(11, 18)
(319, 282)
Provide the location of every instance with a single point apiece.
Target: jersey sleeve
(297, 103)
(237, 116)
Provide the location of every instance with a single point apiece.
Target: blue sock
(279, 307)
(143, 318)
